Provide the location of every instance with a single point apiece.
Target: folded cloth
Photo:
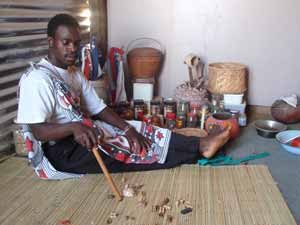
(292, 100)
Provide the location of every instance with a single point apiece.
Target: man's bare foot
(213, 142)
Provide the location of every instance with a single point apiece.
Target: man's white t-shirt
(38, 102)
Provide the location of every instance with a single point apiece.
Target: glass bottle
(138, 109)
(191, 120)
(170, 120)
(169, 106)
(155, 107)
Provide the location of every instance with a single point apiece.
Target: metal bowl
(269, 128)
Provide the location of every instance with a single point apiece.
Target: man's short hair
(58, 20)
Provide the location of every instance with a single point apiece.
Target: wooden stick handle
(107, 175)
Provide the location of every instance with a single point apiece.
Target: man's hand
(137, 141)
(84, 135)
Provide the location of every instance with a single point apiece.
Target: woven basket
(144, 57)
(144, 62)
(191, 132)
(227, 78)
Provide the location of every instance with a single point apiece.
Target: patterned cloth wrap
(115, 143)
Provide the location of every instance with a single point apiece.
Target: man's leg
(68, 156)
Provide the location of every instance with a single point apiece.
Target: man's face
(64, 46)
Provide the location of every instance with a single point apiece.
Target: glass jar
(147, 119)
(169, 106)
(125, 111)
(180, 121)
(191, 120)
(155, 107)
(156, 120)
(182, 108)
(170, 120)
(139, 109)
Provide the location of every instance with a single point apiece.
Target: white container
(233, 99)
(100, 87)
(143, 91)
(237, 107)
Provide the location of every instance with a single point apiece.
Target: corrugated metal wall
(23, 39)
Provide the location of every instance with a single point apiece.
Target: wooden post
(98, 10)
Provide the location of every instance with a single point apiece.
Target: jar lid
(138, 102)
(155, 102)
(169, 102)
(171, 116)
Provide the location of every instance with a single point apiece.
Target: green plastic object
(227, 160)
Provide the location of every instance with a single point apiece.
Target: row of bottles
(172, 114)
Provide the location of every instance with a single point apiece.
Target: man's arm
(83, 134)
(137, 140)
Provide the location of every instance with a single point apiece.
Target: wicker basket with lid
(227, 78)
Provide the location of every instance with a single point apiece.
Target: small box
(233, 99)
(237, 107)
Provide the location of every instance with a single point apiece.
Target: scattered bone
(124, 180)
(129, 217)
(109, 221)
(165, 201)
(142, 199)
(110, 196)
(155, 208)
(161, 211)
(187, 204)
(128, 191)
(169, 218)
(113, 215)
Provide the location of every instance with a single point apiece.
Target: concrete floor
(284, 166)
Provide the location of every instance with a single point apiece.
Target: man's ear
(50, 42)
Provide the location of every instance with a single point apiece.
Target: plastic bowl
(286, 135)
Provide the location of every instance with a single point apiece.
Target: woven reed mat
(218, 195)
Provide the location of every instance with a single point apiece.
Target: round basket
(144, 62)
(227, 78)
(196, 132)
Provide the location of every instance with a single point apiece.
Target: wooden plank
(99, 24)
(11, 40)
(8, 117)
(22, 51)
(62, 3)
(9, 103)
(21, 26)
(8, 91)
(10, 77)
(8, 12)
(21, 63)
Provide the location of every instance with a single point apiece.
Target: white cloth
(292, 100)
(121, 92)
(37, 100)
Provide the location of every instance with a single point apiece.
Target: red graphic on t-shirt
(42, 174)
(159, 135)
(29, 145)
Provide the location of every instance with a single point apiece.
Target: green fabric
(226, 160)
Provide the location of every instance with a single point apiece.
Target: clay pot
(223, 119)
(283, 112)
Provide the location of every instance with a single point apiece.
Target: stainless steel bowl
(269, 128)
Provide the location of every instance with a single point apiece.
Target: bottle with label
(191, 120)
(139, 109)
(170, 120)
(242, 119)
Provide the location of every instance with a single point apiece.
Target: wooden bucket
(227, 78)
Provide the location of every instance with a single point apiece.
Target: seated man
(57, 104)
